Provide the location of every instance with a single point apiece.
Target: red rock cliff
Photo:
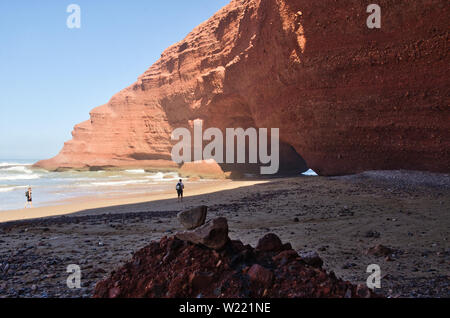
(347, 98)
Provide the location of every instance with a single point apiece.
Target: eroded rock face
(346, 98)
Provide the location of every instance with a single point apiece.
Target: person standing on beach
(28, 194)
(180, 188)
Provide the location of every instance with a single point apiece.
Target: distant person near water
(28, 194)
(180, 188)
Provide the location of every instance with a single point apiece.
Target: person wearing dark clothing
(28, 194)
(180, 188)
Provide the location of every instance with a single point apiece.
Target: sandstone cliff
(346, 98)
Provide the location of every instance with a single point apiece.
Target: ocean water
(51, 188)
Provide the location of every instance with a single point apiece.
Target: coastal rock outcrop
(213, 234)
(193, 218)
(345, 97)
(173, 268)
(203, 169)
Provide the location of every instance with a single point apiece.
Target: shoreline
(93, 202)
(340, 218)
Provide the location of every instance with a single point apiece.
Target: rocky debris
(7, 227)
(31, 265)
(362, 291)
(200, 280)
(285, 257)
(372, 234)
(260, 275)
(193, 218)
(4, 267)
(311, 258)
(213, 234)
(345, 211)
(412, 275)
(380, 251)
(349, 265)
(273, 270)
(406, 179)
(270, 243)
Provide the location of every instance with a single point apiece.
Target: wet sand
(340, 218)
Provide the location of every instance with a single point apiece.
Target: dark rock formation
(176, 268)
(193, 218)
(214, 234)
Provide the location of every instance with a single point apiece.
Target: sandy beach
(94, 202)
(339, 217)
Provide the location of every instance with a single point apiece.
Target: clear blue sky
(52, 76)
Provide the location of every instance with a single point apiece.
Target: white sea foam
(19, 177)
(8, 189)
(9, 164)
(16, 176)
(22, 169)
(136, 171)
(160, 176)
(157, 176)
